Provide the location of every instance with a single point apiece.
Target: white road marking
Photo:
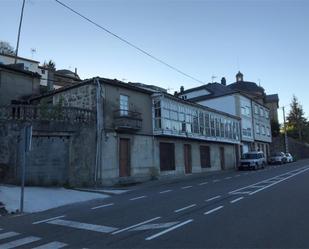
(237, 176)
(19, 242)
(83, 226)
(154, 226)
(165, 191)
(186, 187)
(137, 198)
(184, 208)
(236, 200)
(43, 221)
(102, 206)
(1, 229)
(213, 198)
(202, 183)
(168, 230)
(269, 182)
(8, 235)
(227, 178)
(51, 245)
(213, 210)
(136, 225)
(216, 180)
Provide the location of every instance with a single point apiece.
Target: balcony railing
(127, 120)
(46, 113)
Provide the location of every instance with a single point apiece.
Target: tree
(296, 122)
(275, 128)
(6, 48)
(50, 65)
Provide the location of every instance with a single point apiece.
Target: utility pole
(19, 29)
(285, 133)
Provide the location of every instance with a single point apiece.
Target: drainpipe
(99, 131)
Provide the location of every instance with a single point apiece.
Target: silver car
(277, 158)
(289, 158)
(252, 160)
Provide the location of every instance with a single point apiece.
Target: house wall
(14, 85)
(28, 65)
(225, 104)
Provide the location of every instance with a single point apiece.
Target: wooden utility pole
(19, 30)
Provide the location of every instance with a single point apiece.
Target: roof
(68, 73)
(114, 82)
(271, 98)
(246, 86)
(20, 58)
(18, 70)
(215, 89)
(189, 102)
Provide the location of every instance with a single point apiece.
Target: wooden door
(222, 158)
(187, 158)
(124, 157)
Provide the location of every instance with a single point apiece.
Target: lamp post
(19, 29)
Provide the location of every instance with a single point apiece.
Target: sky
(267, 40)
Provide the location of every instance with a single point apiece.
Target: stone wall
(61, 154)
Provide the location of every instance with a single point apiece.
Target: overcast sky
(267, 40)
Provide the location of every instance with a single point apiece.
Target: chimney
(182, 89)
(223, 81)
(76, 71)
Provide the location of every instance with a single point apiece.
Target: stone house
(142, 132)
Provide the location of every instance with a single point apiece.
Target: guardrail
(46, 113)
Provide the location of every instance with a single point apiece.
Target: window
(221, 127)
(124, 104)
(205, 156)
(243, 110)
(261, 111)
(263, 130)
(217, 127)
(167, 156)
(268, 131)
(207, 126)
(257, 129)
(212, 126)
(256, 109)
(266, 114)
(202, 123)
(157, 113)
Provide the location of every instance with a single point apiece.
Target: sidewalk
(39, 198)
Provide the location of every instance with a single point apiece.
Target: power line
(129, 43)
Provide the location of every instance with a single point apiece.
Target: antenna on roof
(259, 80)
(213, 78)
(33, 51)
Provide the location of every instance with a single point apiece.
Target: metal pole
(19, 29)
(23, 170)
(285, 133)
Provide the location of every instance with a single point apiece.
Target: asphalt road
(241, 209)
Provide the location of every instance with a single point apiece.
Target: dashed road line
(237, 176)
(169, 229)
(8, 235)
(227, 178)
(51, 245)
(137, 198)
(165, 191)
(102, 206)
(184, 208)
(213, 198)
(186, 187)
(237, 199)
(216, 180)
(136, 225)
(50, 219)
(202, 183)
(19, 242)
(83, 226)
(213, 210)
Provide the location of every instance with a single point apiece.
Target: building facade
(144, 133)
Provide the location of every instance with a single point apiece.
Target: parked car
(277, 158)
(289, 158)
(252, 160)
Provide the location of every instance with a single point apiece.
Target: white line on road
(213, 198)
(237, 176)
(186, 187)
(51, 245)
(216, 180)
(137, 198)
(168, 230)
(136, 225)
(83, 226)
(165, 191)
(227, 178)
(213, 210)
(184, 208)
(236, 200)
(8, 235)
(43, 221)
(102, 206)
(202, 183)
(19, 242)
